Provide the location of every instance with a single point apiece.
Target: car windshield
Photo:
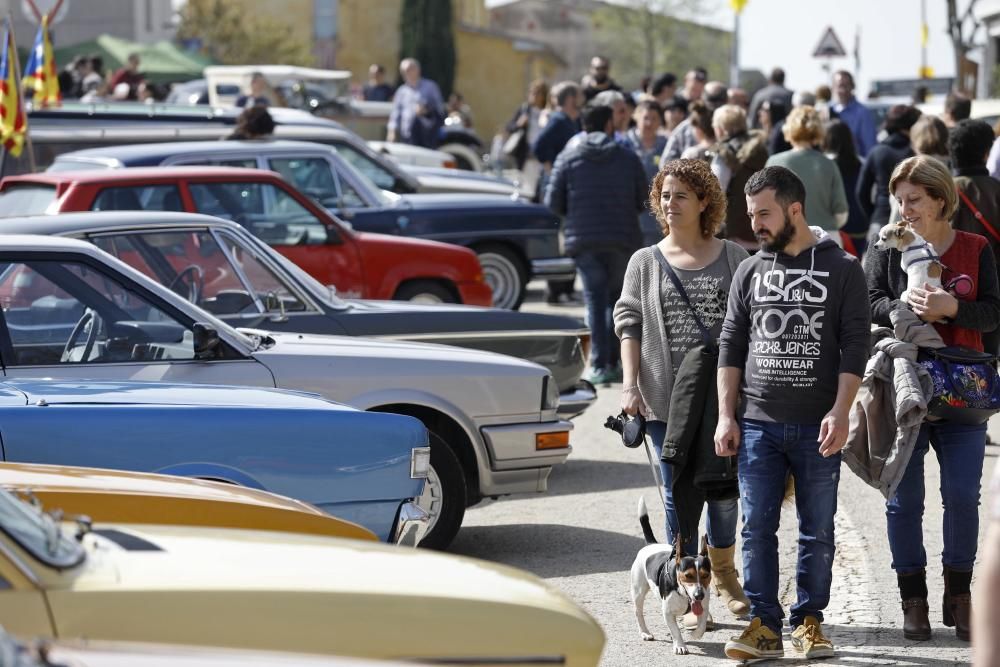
(38, 533)
(369, 184)
(27, 199)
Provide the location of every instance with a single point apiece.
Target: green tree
(230, 35)
(426, 32)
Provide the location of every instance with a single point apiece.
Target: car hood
(466, 201)
(366, 373)
(291, 592)
(66, 392)
(378, 318)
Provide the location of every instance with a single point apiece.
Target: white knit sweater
(639, 314)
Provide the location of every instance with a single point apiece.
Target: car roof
(24, 242)
(143, 174)
(162, 150)
(78, 223)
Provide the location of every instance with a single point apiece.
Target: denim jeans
(768, 452)
(602, 273)
(722, 514)
(960, 450)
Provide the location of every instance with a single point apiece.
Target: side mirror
(206, 340)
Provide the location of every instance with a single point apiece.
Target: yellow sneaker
(757, 641)
(809, 640)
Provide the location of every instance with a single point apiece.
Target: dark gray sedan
(224, 269)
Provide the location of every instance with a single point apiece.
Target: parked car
(359, 264)
(515, 240)
(224, 269)
(38, 652)
(73, 311)
(75, 125)
(279, 592)
(119, 496)
(362, 467)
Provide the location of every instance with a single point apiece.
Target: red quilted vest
(962, 257)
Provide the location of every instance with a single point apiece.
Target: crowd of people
(726, 240)
(85, 79)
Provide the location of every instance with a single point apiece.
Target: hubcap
(426, 297)
(431, 499)
(502, 277)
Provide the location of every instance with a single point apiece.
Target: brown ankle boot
(956, 608)
(913, 592)
(727, 583)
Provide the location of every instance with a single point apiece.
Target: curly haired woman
(657, 330)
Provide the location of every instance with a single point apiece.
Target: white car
(71, 310)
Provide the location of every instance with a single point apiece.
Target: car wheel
(443, 497)
(504, 272)
(424, 291)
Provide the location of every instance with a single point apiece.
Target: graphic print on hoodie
(793, 325)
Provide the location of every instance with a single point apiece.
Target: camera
(632, 429)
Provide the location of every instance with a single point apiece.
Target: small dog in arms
(680, 581)
(919, 259)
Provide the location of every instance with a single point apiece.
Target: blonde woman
(826, 199)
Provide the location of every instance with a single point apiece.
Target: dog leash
(657, 477)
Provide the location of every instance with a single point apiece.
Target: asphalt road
(582, 536)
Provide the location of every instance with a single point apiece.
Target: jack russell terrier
(680, 581)
(919, 259)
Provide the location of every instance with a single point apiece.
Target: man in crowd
(129, 74)
(663, 88)
(683, 137)
(563, 125)
(794, 344)
(774, 91)
(694, 84)
(417, 108)
(600, 188)
(854, 114)
(957, 107)
(376, 90)
(598, 79)
(257, 96)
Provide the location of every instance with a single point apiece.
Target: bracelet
(632, 388)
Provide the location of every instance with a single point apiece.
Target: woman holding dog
(657, 328)
(926, 195)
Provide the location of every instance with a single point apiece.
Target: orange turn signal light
(557, 440)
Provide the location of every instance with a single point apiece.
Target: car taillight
(450, 164)
(585, 345)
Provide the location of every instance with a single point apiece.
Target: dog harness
(928, 256)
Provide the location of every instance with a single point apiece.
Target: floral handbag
(966, 384)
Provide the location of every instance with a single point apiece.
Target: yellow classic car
(115, 496)
(278, 591)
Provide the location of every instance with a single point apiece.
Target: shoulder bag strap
(665, 265)
(977, 214)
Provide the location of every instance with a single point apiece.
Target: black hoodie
(793, 325)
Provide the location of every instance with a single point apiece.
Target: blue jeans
(602, 273)
(768, 452)
(722, 514)
(960, 450)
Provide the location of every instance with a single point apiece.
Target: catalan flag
(12, 123)
(41, 82)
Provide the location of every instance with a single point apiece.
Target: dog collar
(928, 255)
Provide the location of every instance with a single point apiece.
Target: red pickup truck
(358, 264)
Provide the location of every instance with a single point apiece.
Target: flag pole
(20, 94)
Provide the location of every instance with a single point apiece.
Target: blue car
(515, 240)
(364, 467)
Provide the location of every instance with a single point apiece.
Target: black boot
(957, 603)
(913, 592)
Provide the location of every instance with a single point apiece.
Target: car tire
(444, 495)
(506, 275)
(425, 291)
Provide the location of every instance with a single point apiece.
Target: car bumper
(517, 463)
(411, 526)
(554, 268)
(475, 293)
(573, 402)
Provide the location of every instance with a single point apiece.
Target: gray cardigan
(639, 314)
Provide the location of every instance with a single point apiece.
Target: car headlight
(420, 462)
(550, 393)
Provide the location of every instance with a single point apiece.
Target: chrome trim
(574, 402)
(553, 265)
(411, 527)
(499, 333)
(19, 564)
